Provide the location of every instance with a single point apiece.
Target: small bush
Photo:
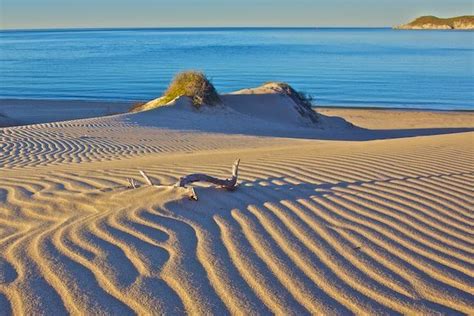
(299, 97)
(303, 100)
(192, 84)
(306, 99)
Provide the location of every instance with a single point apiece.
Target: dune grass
(304, 101)
(300, 97)
(193, 84)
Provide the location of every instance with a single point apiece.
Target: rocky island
(434, 23)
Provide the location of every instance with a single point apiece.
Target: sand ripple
(380, 227)
(103, 139)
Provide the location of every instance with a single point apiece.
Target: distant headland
(434, 23)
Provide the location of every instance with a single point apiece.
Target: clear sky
(162, 13)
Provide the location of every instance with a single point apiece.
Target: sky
(30, 14)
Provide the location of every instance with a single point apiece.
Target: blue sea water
(348, 67)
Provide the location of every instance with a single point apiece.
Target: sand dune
(315, 227)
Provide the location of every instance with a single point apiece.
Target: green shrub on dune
(192, 84)
(195, 85)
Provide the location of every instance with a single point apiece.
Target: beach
(367, 212)
(15, 112)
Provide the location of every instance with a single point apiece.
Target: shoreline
(345, 107)
(21, 112)
(131, 102)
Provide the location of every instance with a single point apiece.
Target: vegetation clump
(298, 96)
(192, 84)
(304, 101)
(195, 85)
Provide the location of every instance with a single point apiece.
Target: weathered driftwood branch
(145, 176)
(132, 183)
(228, 184)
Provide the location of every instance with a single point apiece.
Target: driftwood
(229, 184)
(145, 176)
(132, 183)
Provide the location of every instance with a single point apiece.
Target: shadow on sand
(328, 128)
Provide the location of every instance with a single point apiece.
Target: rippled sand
(379, 226)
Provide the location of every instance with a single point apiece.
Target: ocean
(338, 67)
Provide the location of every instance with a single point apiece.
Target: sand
(328, 220)
(23, 112)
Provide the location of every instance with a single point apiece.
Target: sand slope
(316, 226)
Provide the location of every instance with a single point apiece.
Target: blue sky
(158, 13)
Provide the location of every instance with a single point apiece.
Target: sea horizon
(197, 28)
